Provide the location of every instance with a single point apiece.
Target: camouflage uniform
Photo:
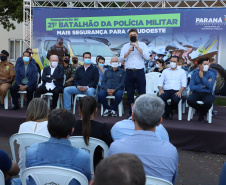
(69, 71)
(59, 51)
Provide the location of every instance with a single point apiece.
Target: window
(16, 49)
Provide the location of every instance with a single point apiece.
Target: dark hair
(86, 53)
(60, 38)
(201, 60)
(27, 52)
(175, 57)
(98, 56)
(87, 105)
(101, 58)
(160, 61)
(60, 123)
(132, 30)
(120, 169)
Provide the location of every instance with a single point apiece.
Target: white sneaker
(113, 113)
(106, 112)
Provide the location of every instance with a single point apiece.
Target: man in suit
(26, 80)
(52, 80)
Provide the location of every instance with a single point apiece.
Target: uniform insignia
(7, 67)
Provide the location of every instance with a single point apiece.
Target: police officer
(58, 49)
(7, 75)
(69, 71)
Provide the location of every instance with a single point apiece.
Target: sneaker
(113, 113)
(106, 112)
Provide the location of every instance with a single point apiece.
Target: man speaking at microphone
(134, 53)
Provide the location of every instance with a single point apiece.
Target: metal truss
(149, 4)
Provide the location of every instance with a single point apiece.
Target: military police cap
(5, 52)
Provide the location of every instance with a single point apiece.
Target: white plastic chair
(150, 180)
(181, 108)
(120, 106)
(79, 142)
(6, 102)
(2, 178)
(152, 82)
(22, 93)
(25, 140)
(52, 175)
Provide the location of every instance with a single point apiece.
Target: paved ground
(195, 168)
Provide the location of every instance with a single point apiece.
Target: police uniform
(6, 72)
(69, 71)
(59, 51)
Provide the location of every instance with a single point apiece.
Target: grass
(219, 101)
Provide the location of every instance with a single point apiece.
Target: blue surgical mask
(100, 65)
(87, 61)
(26, 59)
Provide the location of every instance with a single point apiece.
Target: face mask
(173, 65)
(66, 60)
(157, 66)
(75, 61)
(3, 58)
(54, 64)
(206, 67)
(133, 38)
(87, 61)
(114, 64)
(100, 65)
(26, 59)
(179, 67)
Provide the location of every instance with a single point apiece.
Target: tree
(10, 10)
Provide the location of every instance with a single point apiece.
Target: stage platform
(184, 135)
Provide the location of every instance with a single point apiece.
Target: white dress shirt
(135, 60)
(50, 86)
(173, 79)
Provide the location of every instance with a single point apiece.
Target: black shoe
(201, 118)
(2, 106)
(165, 116)
(170, 116)
(14, 107)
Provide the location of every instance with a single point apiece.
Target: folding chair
(150, 180)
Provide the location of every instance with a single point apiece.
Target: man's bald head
(114, 59)
(53, 58)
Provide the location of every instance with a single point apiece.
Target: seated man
(52, 80)
(58, 151)
(120, 169)
(85, 81)
(69, 71)
(7, 75)
(26, 80)
(112, 85)
(8, 167)
(101, 69)
(160, 158)
(171, 85)
(201, 85)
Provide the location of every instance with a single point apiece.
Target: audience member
(171, 85)
(222, 180)
(7, 75)
(120, 169)
(134, 53)
(160, 158)
(75, 62)
(112, 85)
(69, 71)
(97, 57)
(101, 69)
(26, 80)
(52, 80)
(58, 151)
(159, 67)
(201, 84)
(85, 81)
(8, 167)
(87, 127)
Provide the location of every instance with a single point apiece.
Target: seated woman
(37, 116)
(160, 66)
(87, 127)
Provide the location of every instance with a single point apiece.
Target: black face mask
(133, 38)
(66, 60)
(3, 58)
(75, 61)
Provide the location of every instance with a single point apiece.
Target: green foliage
(219, 101)
(10, 10)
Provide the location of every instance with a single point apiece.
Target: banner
(190, 33)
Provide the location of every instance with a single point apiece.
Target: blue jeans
(68, 91)
(118, 97)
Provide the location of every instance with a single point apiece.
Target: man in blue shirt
(58, 151)
(160, 158)
(201, 85)
(112, 85)
(101, 69)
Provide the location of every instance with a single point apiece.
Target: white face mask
(206, 67)
(114, 64)
(179, 67)
(54, 64)
(173, 65)
(157, 66)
